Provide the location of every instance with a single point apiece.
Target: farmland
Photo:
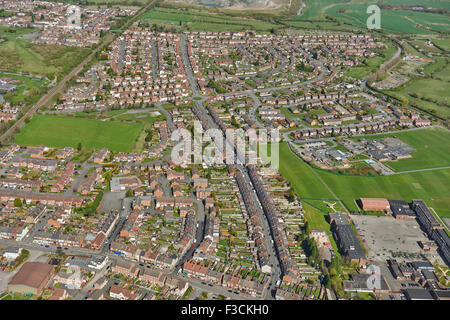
(431, 186)
(403, 21)
(54, 131)
(203, 21)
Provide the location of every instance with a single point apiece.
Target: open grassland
(430, 92)
(22, 56)
(204, 21)
(431, 186)
(432, 149)
(55, 131)
(402, 21)
(371, 64)
(443, 43)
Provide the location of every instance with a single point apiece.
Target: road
(49, 95)
(276, 269)
(395, 56)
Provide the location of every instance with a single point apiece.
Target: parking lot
(386, 238)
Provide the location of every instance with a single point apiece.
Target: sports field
(432, 149)
(54, 131)
(431, 186)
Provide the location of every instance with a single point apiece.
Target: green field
(403, 21)
(54, 131)
(369, 65)
(431, 144)
(430, 92)
(25, 88)
(204, 21)
(22, 56)
(431, 186)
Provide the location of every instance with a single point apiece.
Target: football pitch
(55, 131)
(431, 186)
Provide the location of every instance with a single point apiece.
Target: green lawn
(54, 131)
(431, 144)
(431, 186)
(24, 88)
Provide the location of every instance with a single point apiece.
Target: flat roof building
(349, 244)
(418, 294)
(374, 204)
(31, 278)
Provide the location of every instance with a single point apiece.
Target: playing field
(431, 144)
(54, 131)
(431, 186)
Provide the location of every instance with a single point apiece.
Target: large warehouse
(31, 278)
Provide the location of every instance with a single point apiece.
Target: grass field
(431, 186)
(204, 21)
(402, 21)
(23, 89)
(430, 92)
(372, 63)
(431, 144)
(54, 131)
(22, 56)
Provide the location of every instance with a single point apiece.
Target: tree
(17, 202)
(291, 196)
(129, 193)
(307, 228)
(79, 146)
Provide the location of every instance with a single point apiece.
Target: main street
(275, 263)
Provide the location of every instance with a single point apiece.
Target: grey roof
(418, 294)
(348, 242)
